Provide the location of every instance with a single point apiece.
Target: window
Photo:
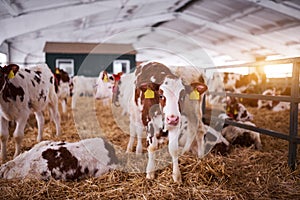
(66, 64)
(121, 66)
(3, 59)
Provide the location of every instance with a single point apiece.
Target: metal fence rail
(294, 99)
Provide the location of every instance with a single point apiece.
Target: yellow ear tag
(11, 74)
(105, 79)
(235, 112)
(195, 95)
(57, 71)
(149, 94)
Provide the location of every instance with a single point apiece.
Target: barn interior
(240, 36)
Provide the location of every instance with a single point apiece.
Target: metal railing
(294, 99)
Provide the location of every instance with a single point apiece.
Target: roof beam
(173, 39)
(12, 27)
(10, 7)
(278, 7)
(282, 49)
(93, 34)
(100, 30)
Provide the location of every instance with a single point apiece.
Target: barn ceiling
(201, 32)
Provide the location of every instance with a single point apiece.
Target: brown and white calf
(159, 97)
(275, 106)
(62, 87)
(22, 91)
(61, 160)
(232, 82)
(239, 136)
(236, 110)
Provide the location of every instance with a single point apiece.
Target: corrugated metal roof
(240, 30)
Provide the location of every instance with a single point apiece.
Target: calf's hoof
(150, 175)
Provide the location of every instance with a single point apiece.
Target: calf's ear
(117, 76)
(104, 76)
(200, 87)
(10, 70)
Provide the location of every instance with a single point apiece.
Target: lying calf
(242, 137)
(239, 136)
(61, 160)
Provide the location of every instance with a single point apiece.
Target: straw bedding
(244, 173)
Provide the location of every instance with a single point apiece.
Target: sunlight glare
(239, 70)
(278, 71)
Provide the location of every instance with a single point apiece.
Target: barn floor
(243, 174)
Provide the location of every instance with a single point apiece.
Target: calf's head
(237, 111)
(104, 86)
(7, 72)
(172, 95)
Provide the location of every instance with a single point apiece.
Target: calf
(83, 86)
(23, 90)
(211, 137)
(61, 160)
(275, 106)
(235, 135)
(62, 87)
(215, 84)
(123, 96)
(281, 106)
(227, 81)
(237, 111)
(266, 103)
(239, 136)
(159, 93)
(104, 87)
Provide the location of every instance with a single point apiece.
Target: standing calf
(82, 85)
(159, 97)
(21, 92)
(62, 87)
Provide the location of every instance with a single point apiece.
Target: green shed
(90, 58)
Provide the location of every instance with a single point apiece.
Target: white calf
(281, 106)
(83, 86)
(104, 87)
(60, 160)
(21, 92)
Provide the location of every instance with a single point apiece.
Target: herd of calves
(164, 102)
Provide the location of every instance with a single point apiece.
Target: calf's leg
(173, 150)
(18, 136)
(152, 147)
(40, 122)
(4, 137)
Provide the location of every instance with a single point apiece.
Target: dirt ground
(243, 174)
